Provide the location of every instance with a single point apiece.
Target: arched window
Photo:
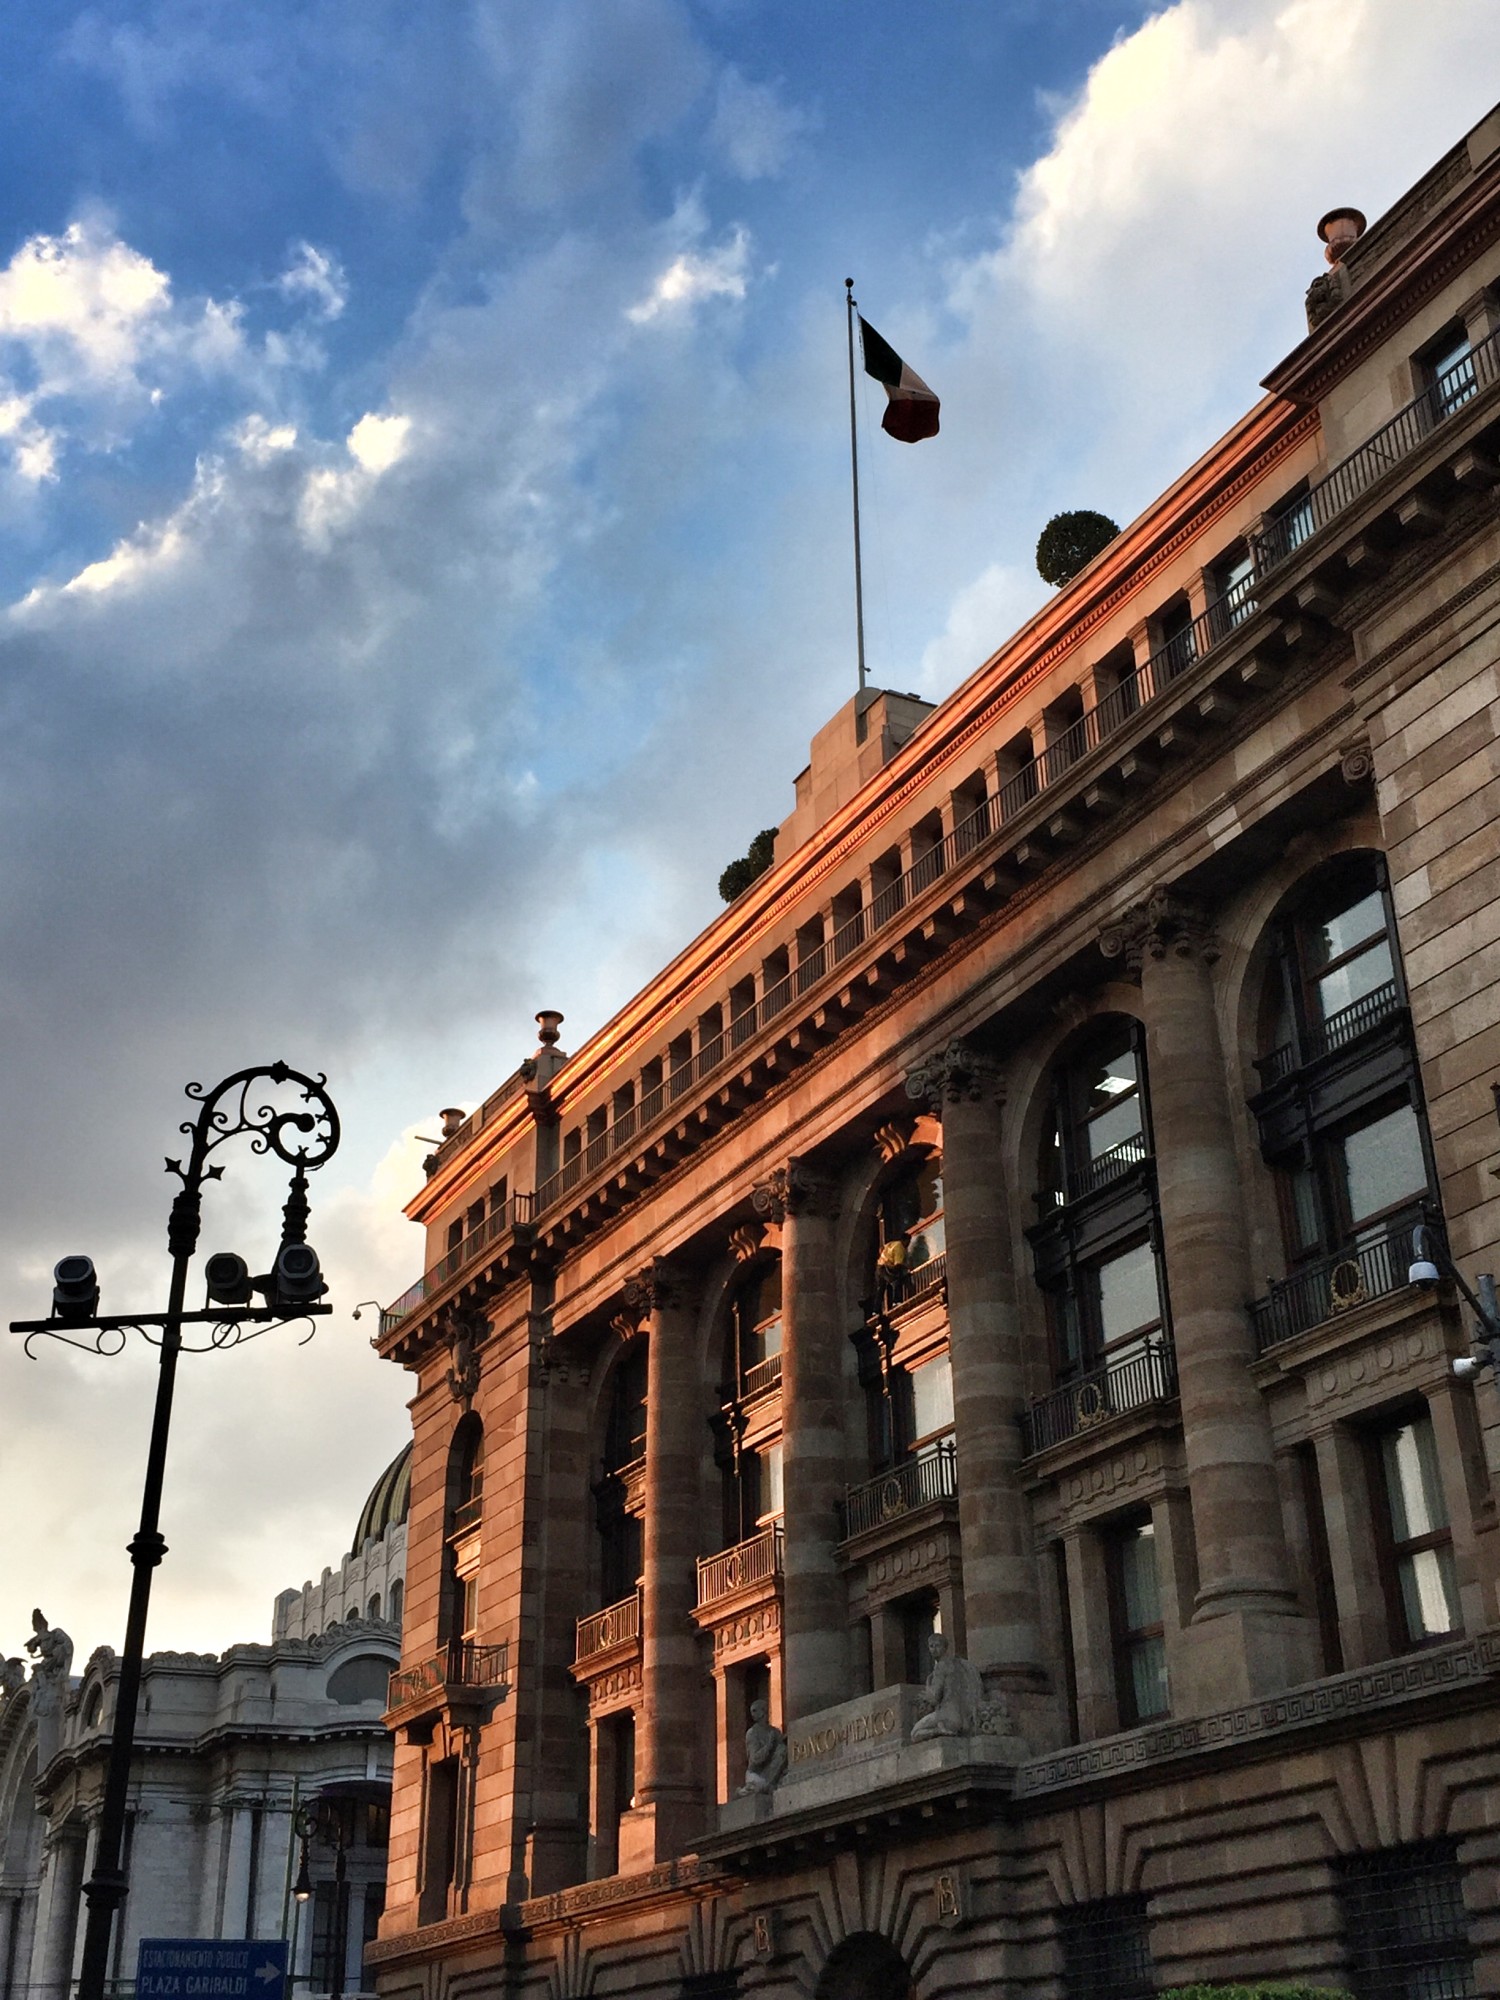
(755, 1329)
(909, 1242)
(1097, 1246)
(372, 1609)
(748, 1429)
(625, 1436)
(865, 1966)
(398, 1601)
(1340, 1113)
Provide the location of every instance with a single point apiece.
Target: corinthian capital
(794, 1189)
(652, 1289)
(1165, 925)
(957, 1074)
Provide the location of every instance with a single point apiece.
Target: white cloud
(318, 276)
(982, 614)
(260, 441)
(84, 303)
(333, 494)
(695, 275)
(756, 133)
(377, 443)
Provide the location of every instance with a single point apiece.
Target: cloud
(693, 276)
(85, 304)
(317, 276)
(756, 133)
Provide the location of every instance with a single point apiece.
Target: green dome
(389, 1499)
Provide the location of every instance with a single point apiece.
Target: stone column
(1093, 1641)
(1358, 1592)
(1248, 1635)
(234, 1914)
(1002, 1607)
(57, 1915)
(815, 1612)
(10, 1909)
(670, 1786)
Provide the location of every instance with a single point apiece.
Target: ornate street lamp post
(305, 1137)
(326, 1822)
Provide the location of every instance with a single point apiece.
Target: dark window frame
(1397, 1904)
(1106, 1949)
(1126, 1640)
(1389, 1552)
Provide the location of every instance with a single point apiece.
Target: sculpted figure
(12, 1677)
(954, 1691)
(765, 1753)
(49, 1684)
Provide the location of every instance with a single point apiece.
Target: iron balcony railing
(918, 1482)
(602, 1631)
(467, 1515)
(1108, 1166)
(1337, 1032)
(905, 1283)
(517, 1209)
(461, 1663)
(761, 1377)
(1322, 1291)
(731, 1570)
(1392, 443)
(1148, 1375)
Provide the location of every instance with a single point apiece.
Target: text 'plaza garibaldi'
(929, 1474)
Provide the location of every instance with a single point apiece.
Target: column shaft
(672, 1694)
(1244, 1571)
(1002, 1610)
(815, 1634)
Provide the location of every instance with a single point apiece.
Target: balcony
(1378, 455)
(512, 1214)
(1147, 1376)
(907, 1285)
(747, 1565)
(461, 1677)
(920, 1482)
(1337, 1032)
(604, 1634)
(761, 1378)
(1335, 1285)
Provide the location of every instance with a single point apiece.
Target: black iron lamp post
(326, 1822)
(304, 1136)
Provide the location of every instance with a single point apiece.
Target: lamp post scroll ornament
(304, 1135)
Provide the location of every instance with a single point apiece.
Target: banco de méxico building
(997, 1224)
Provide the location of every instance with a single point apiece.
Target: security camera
(1466, 1365)
(228, 1279)
(295, 1279)
(1422, 1271)
(75, 1290)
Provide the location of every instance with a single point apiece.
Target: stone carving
(1164, 923)
(12, 1677)
(464, 1334)
(951, 1075)
(49, 1684)
(955, 1694)
(651, 1290)
(745, 1242)
(794, 1190)
(765, 1753)
(1356, 763)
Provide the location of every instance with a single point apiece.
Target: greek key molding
(1367, 1688)
(957, 1074)
(795, 1189)
(1165, 925)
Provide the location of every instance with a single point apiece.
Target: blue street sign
(211, 1969)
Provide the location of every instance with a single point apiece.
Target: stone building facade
(998, 1224)
(229, 1747)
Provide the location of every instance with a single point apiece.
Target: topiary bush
(1069, 541)
(738, 876)
(1263, 1990)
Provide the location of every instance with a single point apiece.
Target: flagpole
(859, 587)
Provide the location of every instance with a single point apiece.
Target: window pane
(1128, 1296)
(1383, 1163)
(1112, 1078)
(770, 1481)
(1346, 928)
(1148, 1678)
(1412, 1481)
(1114, 1126)
(1429, 1593)
(1139, 1589)
(1366, 973)
(932, 1397)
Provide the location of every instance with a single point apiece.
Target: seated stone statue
(765, 1753)
(955, 1694)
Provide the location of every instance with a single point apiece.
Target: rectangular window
(1449, 366)
(1106, 1950)
(1140, 1645)
(1349, 955)
(1419, 1543)
(1382, 1165)
(1405, 1926)
(931, 1401)
(770, 1483)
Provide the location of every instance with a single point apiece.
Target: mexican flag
(911, 411)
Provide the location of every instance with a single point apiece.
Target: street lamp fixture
(1430, 1264)
(329, 1822)
(304, 1134)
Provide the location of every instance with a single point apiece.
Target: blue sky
(425, 557)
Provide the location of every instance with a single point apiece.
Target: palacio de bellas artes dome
(951, 1449)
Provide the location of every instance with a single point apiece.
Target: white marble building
(228, 1748)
